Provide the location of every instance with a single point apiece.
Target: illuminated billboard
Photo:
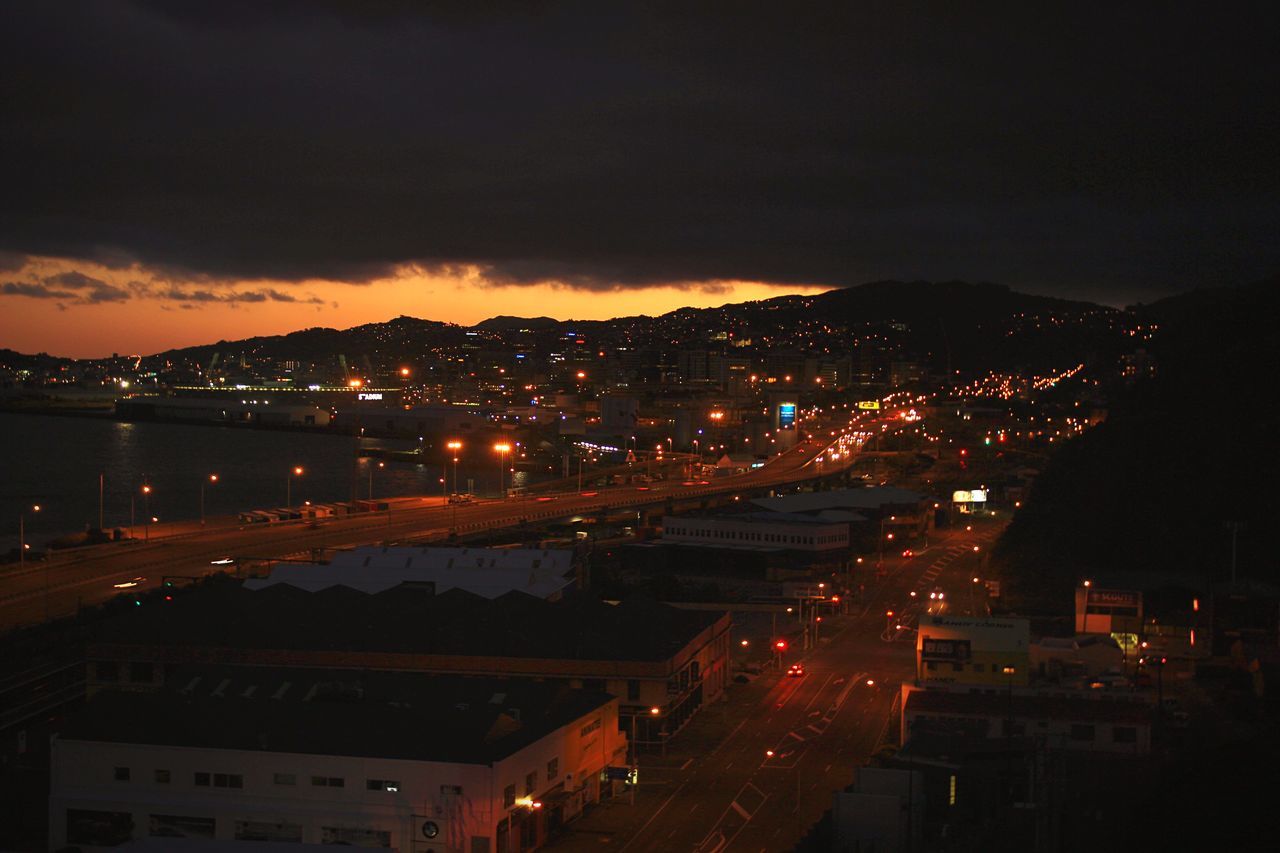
(869, 405)
(975, 496)
(786, 415)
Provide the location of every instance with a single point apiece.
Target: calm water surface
(55, 462)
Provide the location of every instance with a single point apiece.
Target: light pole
(146, 509)
(213, 478)
(455, 446)
(295, 471)
(502, 447)
(22, 535)
(371, 467)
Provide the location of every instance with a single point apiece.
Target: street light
(295, 471)
(503, 449)
(146, 508)
(371, 466)
(22, 535)
(213, 478)
(455, 446)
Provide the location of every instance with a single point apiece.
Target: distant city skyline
(91, 311)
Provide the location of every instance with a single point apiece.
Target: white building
(827, 531)
(394, 760)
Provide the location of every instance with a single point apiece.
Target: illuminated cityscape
(573, 428)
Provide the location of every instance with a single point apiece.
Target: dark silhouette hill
(1182, 454)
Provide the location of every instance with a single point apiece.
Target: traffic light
(780, 645)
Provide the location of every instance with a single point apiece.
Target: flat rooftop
(1082, 709)
(870, 498)
(408, 620)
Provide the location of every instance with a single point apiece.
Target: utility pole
(1234, 527)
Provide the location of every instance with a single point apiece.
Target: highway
(65, 582)
(722, 790)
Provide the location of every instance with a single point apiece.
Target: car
(459, 499)
(908, 553)
(796, 670)
(937, 601)
(222, 561)
(128, 584)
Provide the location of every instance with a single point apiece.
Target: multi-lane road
(66, 582)
(762, 782)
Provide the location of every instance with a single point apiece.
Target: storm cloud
(1101, 153)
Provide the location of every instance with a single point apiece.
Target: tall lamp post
(503, 448)
(146, 509)
(635, 747)
(295, 471)
(455, 446)
(213, 478)
(22, 535)
(371, 467)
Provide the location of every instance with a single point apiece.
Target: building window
(930, 665)
(355, 836)
(979, 667)
(1081, 731)
(107, 670)
(633, 689)
(121, 774)
(162, 777)
(99, 829)
(553, 769)
(285, 779)
(202, 780)
(508, 796)
(1124, 734)
(182, 826)
(957, 667)
(382, 785)
(328, 781)
(530, 783)
(259, 830)
(228, 780)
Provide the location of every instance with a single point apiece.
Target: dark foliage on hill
(1181, 455)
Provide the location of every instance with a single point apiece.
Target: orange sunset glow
(86, 310)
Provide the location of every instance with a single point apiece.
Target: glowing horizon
(79, 309)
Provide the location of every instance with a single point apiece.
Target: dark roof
(409, 620)
(409, 716)
(1023, 706)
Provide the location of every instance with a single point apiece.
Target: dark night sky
(1112, 153)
